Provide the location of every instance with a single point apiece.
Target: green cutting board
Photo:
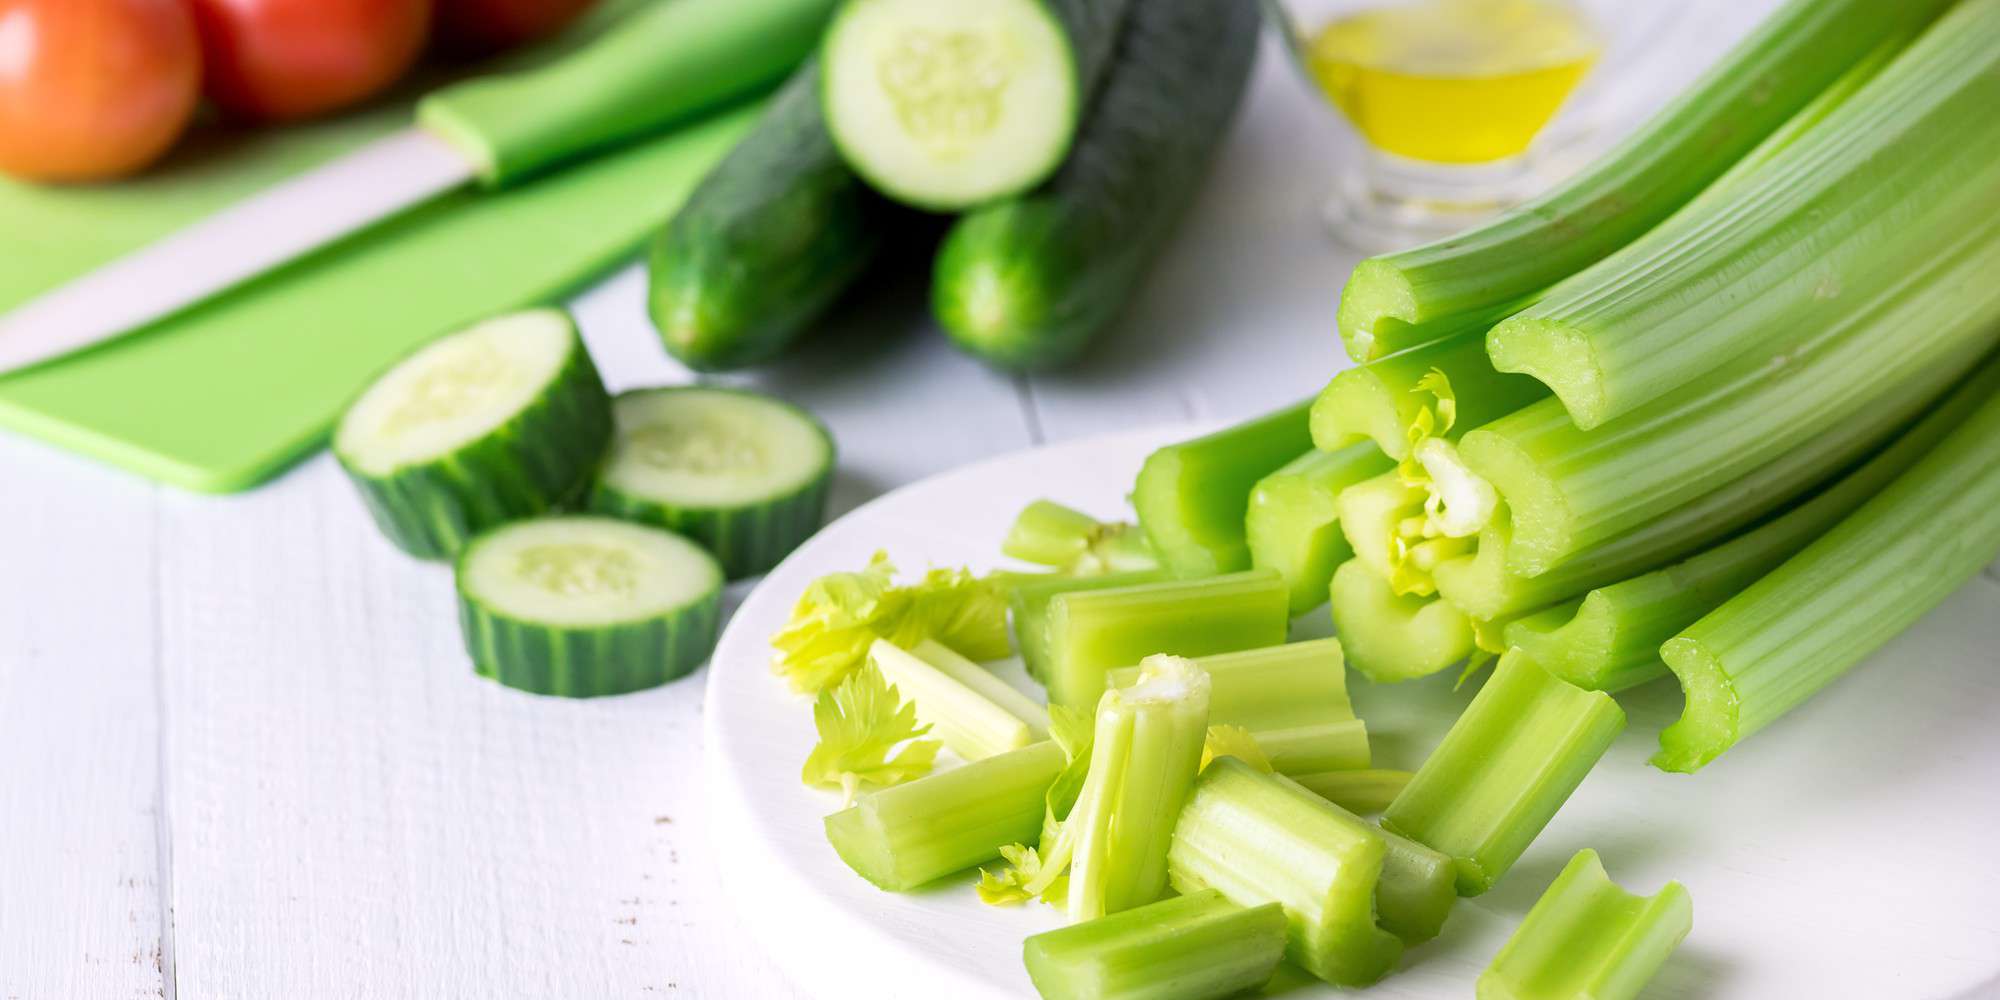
(224, 396)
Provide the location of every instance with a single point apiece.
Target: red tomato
(280, 60)
(479, 27)
(92, 89)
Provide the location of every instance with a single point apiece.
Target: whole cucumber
(1026, 283)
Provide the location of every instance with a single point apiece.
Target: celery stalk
(1586, 937)
(1259, 838)
(1908, 164)
(1503, 769)
(975, 713)
(1377, 516)
(1363, 791)
(1825, 609)
(1415, 893)
(1049, 534)
(1474, 278)
(1092, 632)
(1381, 401)
(1029, 602)
(1293, 526)
(1192, 496)
(907, 835)
(1312, 747)
(1292, 699)
(1194, 947)
(1390, 637)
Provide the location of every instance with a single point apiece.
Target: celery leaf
(861, 723)
(841, 614)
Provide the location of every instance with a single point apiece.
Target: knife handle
(662, 63)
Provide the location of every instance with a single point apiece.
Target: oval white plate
(1848, 851)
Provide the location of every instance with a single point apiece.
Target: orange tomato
(93, 89)
(282, 60)
(479, 27)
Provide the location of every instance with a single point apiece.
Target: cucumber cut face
(742, 473)
(944, 104)
(582, 606)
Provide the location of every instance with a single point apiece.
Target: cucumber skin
(540, 459)
(588, 662)
(1026, 283)
(766, 243)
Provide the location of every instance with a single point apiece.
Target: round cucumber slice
(501, 421)
(944, 104)
(742, 473)
(581, 606)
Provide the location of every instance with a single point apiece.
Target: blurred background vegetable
(482, 27)
(283, 60)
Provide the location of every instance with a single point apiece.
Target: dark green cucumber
(501, 421)
(772, 236)
(1026, 283)
(742, 473)
(583, 606)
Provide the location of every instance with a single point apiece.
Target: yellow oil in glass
(1454, 81)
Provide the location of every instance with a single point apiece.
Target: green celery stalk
(1192, 496)
(1260, 838)
(975, 713)
(1503, 769)
(1472, 279)
(1417, 888)
(1586, 937)
(1610, 640)
(1392, 637)
(907, 835)
(1293, 524)
(1805, 623)
(1292, 699)
(1029, 600)
(1049, 534)
(1376, 515)
(1313, 747)
(1092, 632)
(1143, 759)
(1363, 791)
(1381, 401)
(1909, 163)
(1194, 947)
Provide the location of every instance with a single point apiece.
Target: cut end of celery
(1587, 937)
(1540, 529)
(859, 840)
(1390, 637)
(1707, 725)
(1556, 355)
(1357, 407)
(1377, 305)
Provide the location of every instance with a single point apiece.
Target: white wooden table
(242, 754)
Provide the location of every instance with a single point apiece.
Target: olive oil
(1454, 81)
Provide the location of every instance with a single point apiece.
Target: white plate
(1848, 851)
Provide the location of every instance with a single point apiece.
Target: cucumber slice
(742, 473)
(581, 606)
(944, 104)
(494, 423)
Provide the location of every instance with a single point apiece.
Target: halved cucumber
(582, 606)
(497, 422)
(944, 104)
(742, 473)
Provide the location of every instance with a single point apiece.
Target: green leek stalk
(1293, 524)
(975, 713)
(1047, 533)
(1470, 280)
(1874, 574)
(1382, 400)
(905, 836)
(1503, 769)
(1586, 937)
(1610, 640)
(1194, 947)
(1393, 637)
(1192, 496)
(1292, 699)
(1259, 838)
(1143, 759)
(1092, 632)
(1910, 162)
(1029, 598)
(1362, 791)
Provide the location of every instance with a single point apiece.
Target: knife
(658, 65)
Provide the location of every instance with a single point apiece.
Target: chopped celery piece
(1029, 601)
(1192, 496)
(1363, 791)
(1825, 609)
(1293, 524)
(1305, 748)
(1143, 759)
(1049, 534)
(1416, 890)
(1503, 769)
(1260, 838)
(841, 614)
(1390, 637)
(975, 713)
(1275, 685)
(1194, 947)
(1092, 632)
(868, 735)
(1471, 279)
(1906, 166)
(911, 834)
(1373, 513)
(1382, 400)
(1588, 939)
